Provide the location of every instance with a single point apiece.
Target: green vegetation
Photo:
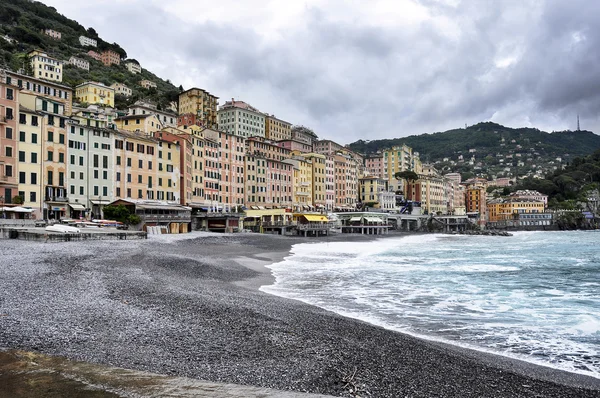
(23, 20)
(122, 214)
(488, 138)
(573, 185)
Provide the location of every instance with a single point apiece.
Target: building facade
(95, 93)
(200, 103)
(241, 119)
(121, 89)
(45, 67)
(87, 41)
(133, 67)
(9, 110)
(110, 57)
(277, 129)
(79, 63)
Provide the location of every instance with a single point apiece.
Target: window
(128, 177)
(50, 156)
(9, 134)
(96, 174)
(118, 160)
(96, 160)
(104, 191)
(8, 151)
(51, 136)
(8, 171)
(140, 164)
(105, 162)
(21, 136)
(129, 192)
(61, 157)
(22, 118)
(81, 160)
(22, 177)
(105, 175)
(61, 139)
(128, 162)
(96, 190)
(50, 177)
(118, 176)
(33, 179)
(33, 157)
(118, 192)
(139, 179)
(32, 196)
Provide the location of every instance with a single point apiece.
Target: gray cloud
(513, 62)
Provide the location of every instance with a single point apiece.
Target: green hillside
(490, 139)
(23, 21)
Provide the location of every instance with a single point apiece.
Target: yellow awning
(316, 218)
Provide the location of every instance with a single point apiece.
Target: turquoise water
(533, 296)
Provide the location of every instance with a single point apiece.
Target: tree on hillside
(407, 175)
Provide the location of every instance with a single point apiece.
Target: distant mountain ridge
(488, 138)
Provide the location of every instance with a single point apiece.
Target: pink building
(95, 55)
(233, 148)
(326, 147)
(293, 145)
(374, 165)
(9, 109)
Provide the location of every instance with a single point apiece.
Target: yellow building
(147, 84)
(302, 183)
(277, 129)
(200, 103)
(369, 189)
(509, 209)
(45, 67)
(319, 178)
(95, 93)
(396, 159)
(56, 92)
(169, 173)
(30, 154)
(146, 124)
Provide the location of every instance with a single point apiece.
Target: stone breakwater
(188, 306)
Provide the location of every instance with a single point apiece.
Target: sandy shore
(191, 308)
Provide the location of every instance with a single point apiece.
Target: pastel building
(147, 84)
(201, 104)
(369, 190)
(52, 33)
(45, 67)
(277, 129)
(9, 109)
(52, 90)
(302, 183)
(133, 67)
(93, 54)
(95, 93)
(147, 124)
(110, 57)
(79, 63)
(87, 41)
(242, 119)
(121, 89)
(167, 118)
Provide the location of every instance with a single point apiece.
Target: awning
(315, 218)
(100, 202)
(355, 219)
(373, 219)
(17, 209)
(76, 206)
(162, 207)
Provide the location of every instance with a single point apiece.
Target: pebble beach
(189, 306)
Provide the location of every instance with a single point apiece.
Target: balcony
(3, 120)
(62, 199)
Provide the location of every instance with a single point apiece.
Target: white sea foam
(519, 296)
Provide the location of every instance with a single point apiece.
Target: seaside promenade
(189, 306)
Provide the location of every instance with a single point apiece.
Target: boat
(63, 229)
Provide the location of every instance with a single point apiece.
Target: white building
(167, 118)
(79, 63)
(122, 89)
(86, 41)
(90, 169)
(241, 119)
(133, 67)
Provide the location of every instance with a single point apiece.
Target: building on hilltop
(95, 55)
(87, 41)
(121, 89)
(45, 67)
(52, 33)
(95, 93)
(147, 84)
(133, 67)
(79, 63)
(240, 118)
(110, 57)
(201, 104)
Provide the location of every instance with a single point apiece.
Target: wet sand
(191, 308)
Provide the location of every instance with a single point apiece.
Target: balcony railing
(164, 217)
(56, 199)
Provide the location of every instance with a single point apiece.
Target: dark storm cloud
(515, 62)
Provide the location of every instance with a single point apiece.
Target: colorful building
(147, 124)
(9, 109)
(45, 67)
(277, 129)
(110, 57)
(121, 89)
(242, 119)
(147, 84)
(95, 93)
(200, 103)
(133, 67)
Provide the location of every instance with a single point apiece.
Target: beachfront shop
(365, 223)
(311, 224)
(263, 220)
(158, 217)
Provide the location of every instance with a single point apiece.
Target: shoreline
(189, 306)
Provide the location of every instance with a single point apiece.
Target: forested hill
(489, 139)
(23, 22)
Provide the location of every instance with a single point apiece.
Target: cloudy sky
(371, 68)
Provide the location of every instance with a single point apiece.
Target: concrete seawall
(40, 234)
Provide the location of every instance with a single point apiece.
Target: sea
(534, 296)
